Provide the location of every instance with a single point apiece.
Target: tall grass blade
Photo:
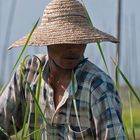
(127, 82)
(119, 131)
(37, 98)
(28, 86)
(126, 131)
(131, 117)
(25, 103)
(98, 44)
(28, 39)
(37, 106)
(25, 127)
(20, 55)
(102, 54)
(3, 88)
(5, 133)
(15, 128)
(89, 19)
(74, 103)
(23, 66)
(116, 79)
(38, 130)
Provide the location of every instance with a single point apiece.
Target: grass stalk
(26, 120)
(37, 98)
(21, 53)
(102, 54)
(22, 67)
(37, 130)
(126, 131)
(15, 130)
(74, 103)
(98, 43)
(127, 82)
(39, 110)
(5, 133)
(116, 79)
(131, 117)
(27, 41)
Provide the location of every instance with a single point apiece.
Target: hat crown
(61, 10)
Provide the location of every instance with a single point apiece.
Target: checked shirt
(97, 103)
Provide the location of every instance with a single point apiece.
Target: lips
(71, 56)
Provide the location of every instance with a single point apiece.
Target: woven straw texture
(64, 22)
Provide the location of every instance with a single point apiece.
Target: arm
(106, 109)
(11, 104)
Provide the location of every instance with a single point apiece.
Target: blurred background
(117, 17)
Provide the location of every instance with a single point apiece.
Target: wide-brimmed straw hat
(65, 22)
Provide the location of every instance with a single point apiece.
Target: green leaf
(28, 86)
(98, 44)
(38, 130)
(26, 119)
(38, 107)
(131, 117)
(127, 82)
(126, 131)
(87, 14)
(20, 55)
(3, 88)
(23, 66)
(28, 39)
(5, 133)
(102, 54)
(116, 78)
(74, 103)
(37, 98)
(14, 125)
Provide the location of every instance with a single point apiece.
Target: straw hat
(65, 22)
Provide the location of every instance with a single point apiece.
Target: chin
(69, 67)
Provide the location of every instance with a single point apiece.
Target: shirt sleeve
(11, 104)
(106, 109)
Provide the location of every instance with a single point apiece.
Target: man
(76, 100)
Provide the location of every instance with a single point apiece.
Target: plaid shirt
(97, 103)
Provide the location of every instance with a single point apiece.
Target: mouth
(73, 57)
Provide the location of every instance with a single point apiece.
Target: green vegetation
(124, 92)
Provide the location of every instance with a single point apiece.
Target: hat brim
(64, 35)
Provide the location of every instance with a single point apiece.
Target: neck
(58, 72)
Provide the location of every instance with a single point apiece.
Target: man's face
(66, 56)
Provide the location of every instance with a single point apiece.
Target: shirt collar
(80, 64)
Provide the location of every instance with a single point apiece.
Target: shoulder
(94, 73)
(99, 81)
(102, 88)
(34, 62)
(31, 65)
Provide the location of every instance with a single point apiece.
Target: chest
(61, 101)
(64, 114)
(59, 88)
